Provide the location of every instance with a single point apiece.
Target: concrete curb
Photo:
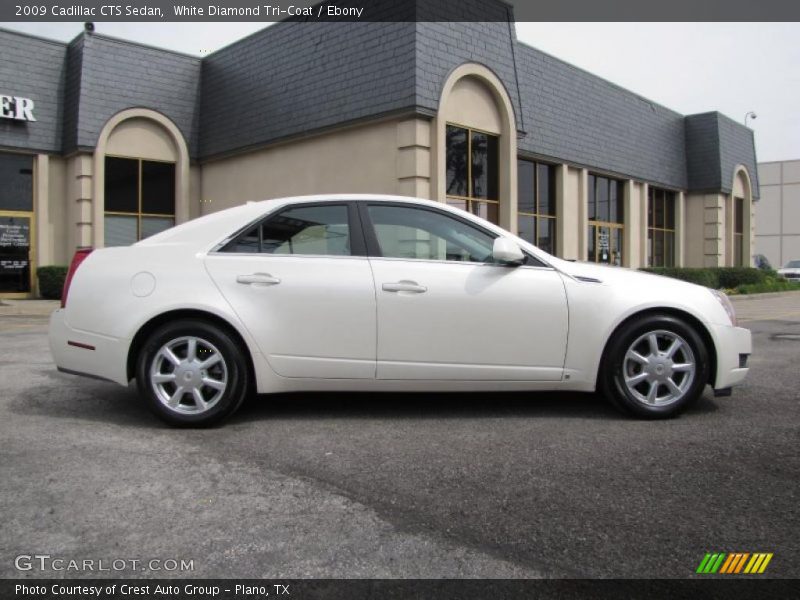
(28, 308)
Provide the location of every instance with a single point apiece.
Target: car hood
(585, 271)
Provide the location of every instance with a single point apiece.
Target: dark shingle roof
(294, 78)
(578, 117)
(33, 68)
(116, 75)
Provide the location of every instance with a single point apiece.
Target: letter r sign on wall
(17, 108)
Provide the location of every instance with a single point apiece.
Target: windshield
(793, 264)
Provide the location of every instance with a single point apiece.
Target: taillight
(77, 259)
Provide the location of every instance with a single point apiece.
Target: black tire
(617, 370)
(227, 373)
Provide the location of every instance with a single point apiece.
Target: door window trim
(358, 246)
(374, 247)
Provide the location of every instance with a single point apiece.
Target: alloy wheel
(659, 368)
(189, 375)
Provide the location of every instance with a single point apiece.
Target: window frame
(139, 214)
(469, 198)
(668, 196)
(537, 214)
(595, 224)
(358, 246)
(738, 231)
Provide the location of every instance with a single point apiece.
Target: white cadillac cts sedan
(380, 293)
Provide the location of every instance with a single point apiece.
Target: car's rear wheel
(655, 367)
(191, 373)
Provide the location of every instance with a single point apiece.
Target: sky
(689, 67)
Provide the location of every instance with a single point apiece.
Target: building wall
(359, 159)
(777, 233)
(352, 107)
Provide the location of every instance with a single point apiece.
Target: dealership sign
(17, 108)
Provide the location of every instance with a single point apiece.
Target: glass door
(16, 273)
(605, 244)
(17, 237)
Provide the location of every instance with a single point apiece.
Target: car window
(793, 264)
(320, 230)
(409, 232)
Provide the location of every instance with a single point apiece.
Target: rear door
(302, 285)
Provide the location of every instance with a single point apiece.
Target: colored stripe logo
(734, 563)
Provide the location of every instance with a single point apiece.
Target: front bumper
(86, 353)
(734, 347)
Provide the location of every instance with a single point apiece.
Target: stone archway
(144, 132)
(473, 96)
(742, 188)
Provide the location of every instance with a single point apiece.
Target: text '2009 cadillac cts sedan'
(381, 293)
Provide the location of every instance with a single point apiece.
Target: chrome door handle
(258, 278)
(405, 286)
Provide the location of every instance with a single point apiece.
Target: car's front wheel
(191, 373)
(655, 367)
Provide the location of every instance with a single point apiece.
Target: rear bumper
(85, 353)
(734, 347)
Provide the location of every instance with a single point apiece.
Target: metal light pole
(749, 115)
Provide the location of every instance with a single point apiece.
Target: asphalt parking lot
(480, 485)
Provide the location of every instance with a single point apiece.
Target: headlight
(723, 299)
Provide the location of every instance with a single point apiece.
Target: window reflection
(472, 171)
(536, 204)
(660, 227)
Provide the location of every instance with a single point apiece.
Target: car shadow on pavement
(426, 406)
(93, 400)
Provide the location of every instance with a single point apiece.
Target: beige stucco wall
(141, 138)
(705, 243)
(414, 158)
(50, 204)
(634, 250)
(358, 160)
(78, 187)
(568, 209)
(694, 227)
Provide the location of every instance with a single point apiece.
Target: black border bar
(710, 588)
(399, 10)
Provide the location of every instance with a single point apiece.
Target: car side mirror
(506, 252)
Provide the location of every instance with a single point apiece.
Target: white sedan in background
(791, 270)
(381, 293)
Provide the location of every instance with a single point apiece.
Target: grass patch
(771, 285)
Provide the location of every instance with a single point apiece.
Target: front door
(300, 283)
(16, 226)
(15, 254)
(445, 311)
